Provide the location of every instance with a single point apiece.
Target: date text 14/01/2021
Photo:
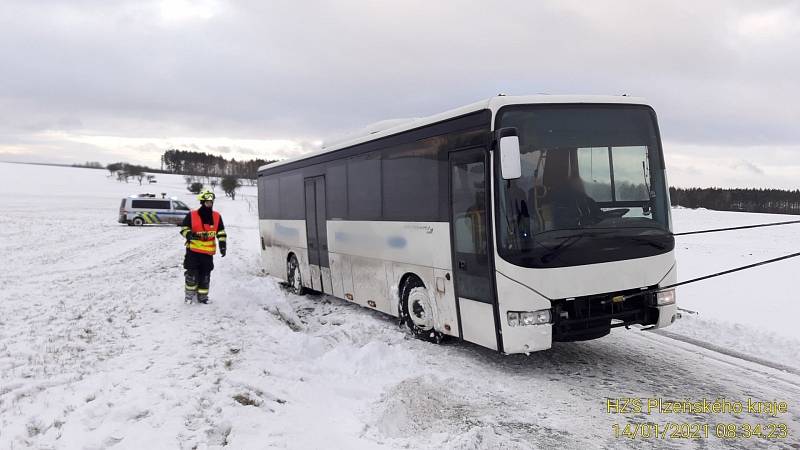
(698, 430)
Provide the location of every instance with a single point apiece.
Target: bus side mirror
(510, 163)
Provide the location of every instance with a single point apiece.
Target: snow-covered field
(98, 350)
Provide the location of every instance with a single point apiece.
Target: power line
(724, 272)
(736, 228)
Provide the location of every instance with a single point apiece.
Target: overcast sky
(106, 80)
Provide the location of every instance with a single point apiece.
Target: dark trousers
(198, 274)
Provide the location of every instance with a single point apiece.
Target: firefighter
(202, 228)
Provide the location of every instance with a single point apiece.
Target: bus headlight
(664, 298)
(523, 318)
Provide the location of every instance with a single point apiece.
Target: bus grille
(591, 317)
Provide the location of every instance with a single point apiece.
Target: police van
(144, 209)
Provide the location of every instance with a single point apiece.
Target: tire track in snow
(711, 348)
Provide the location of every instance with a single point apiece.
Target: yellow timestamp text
(700, 430)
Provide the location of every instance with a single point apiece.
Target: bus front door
(469, 225)
(317, 235)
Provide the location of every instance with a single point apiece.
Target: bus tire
(294, 278)
(416, 311)
(138, 221)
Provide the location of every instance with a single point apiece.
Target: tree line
(205, 164)
(747, 200)
(125, 171)
(89, 165)
(199, 169)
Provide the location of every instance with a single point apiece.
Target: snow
(97, 348)
(752, 311)
(761, 297)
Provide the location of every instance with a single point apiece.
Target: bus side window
(463, 231)
(469, 208)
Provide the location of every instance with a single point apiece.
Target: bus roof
(494, 103)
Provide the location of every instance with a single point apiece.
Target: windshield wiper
(573, 239)
(568, 242)
(645, 241)
(555, 251)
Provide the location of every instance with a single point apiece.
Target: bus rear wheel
(293, 277)
(416, 311)
(138, 221)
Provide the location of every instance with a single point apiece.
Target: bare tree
(113, 168)
(136, 172)
(229, 185)
(195, 188)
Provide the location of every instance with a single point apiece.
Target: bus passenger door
(317, 235)
(471, 266)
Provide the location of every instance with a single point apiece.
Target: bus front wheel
(416, 311)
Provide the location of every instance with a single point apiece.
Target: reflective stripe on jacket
(207, 243)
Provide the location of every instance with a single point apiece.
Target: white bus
(510, 223)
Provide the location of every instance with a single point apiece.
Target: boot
(190, 288)
(190, 296)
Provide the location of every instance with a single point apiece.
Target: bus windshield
(592, 187)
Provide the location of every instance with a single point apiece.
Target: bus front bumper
(526, 339)
(580, 319)
(584, 318)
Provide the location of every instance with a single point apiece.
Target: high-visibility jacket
(206, 243)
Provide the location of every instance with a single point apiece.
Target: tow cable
(724, 272)
(736, 228)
